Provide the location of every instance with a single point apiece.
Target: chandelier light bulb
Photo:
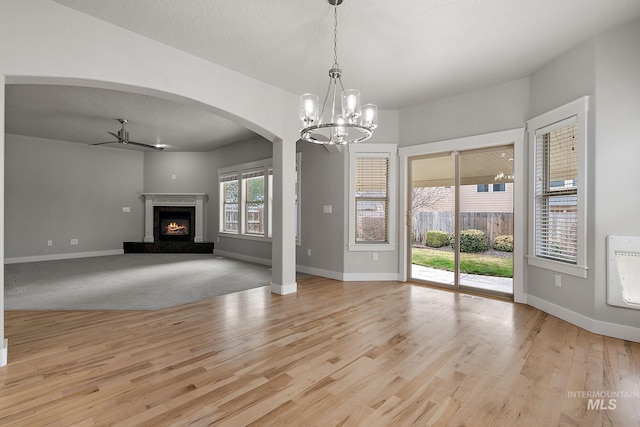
(370, 116)
(308, 109)
(351, 105)
(340, 131)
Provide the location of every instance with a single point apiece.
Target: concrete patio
(490, 283)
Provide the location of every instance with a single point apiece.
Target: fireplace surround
(181, 206)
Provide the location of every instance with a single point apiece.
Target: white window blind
(557, 186)
(372, 199)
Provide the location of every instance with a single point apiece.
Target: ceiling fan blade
(115, 135)
(108, 142)
(139, 144)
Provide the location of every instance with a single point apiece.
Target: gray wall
(616, 155)
(322, 183)
(491, 109)
(61, 191)
(568, 77)
(606, 68)
(177, 172)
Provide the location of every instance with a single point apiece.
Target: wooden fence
(494, 224)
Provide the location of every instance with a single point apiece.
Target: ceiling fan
(122, 137)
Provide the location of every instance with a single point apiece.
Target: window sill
(250, 237)
(254, 238)
(560, 267)
(371, 247)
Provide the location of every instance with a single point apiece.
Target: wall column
(3, 341)
(283, 278)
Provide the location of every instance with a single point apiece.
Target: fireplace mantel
(174, 199)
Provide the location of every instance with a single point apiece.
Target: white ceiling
(398, 53)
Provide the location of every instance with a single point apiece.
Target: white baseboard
(53, 257)
(289, 288)
(319, 272)
(4, 347)
(348, 277)
(370, 277)
(345, 277)
(614, 330)
(241, 257)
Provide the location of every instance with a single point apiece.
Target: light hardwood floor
(367, 353)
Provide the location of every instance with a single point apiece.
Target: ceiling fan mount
(122, 137)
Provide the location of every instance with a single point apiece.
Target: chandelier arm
(324, 103)
(341, 85)
(333, 117)
(308, 134)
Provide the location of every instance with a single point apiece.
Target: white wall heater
(623, 271)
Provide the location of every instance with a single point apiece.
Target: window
(557, 221)
(229, 195)
(246, 200)
(498, 187)
(486, 188)
(371, 202)
(254, 191)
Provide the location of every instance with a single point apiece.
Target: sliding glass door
(433, 219)
(462, 220)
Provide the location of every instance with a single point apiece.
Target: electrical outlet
(308, 252)
(74, 241)
(558, 281)
(374, 256)
(49, 242)
(126, 209)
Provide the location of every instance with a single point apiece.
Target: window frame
(480, 188)
(247, 177)
(575, 111)
(388, 151)
(223, 180)
(265, 166)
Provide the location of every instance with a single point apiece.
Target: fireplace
(174, 223)
(178, 203)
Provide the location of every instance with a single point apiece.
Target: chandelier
(345, 121)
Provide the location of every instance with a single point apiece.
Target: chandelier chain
(335, 34)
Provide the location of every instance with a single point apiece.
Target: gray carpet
(127, 282)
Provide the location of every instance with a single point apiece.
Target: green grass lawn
(469, 263)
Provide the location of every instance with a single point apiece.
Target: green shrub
(436, 238)
(472, 241)
(503, 243)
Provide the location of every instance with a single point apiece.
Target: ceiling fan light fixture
(348, 121)
(122, 137)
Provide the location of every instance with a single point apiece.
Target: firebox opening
(174, 224)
